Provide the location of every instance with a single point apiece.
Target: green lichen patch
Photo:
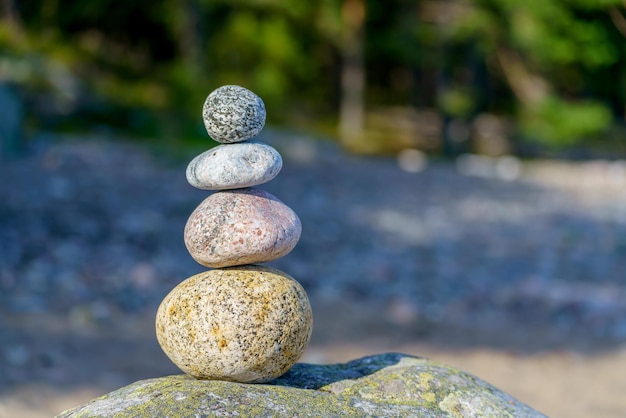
(383, 385)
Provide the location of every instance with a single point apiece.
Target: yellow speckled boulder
(386, 385)
(244, 324)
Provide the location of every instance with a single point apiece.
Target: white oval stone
(242, 226)
(244, 324)
(233, 114)
(234, 166)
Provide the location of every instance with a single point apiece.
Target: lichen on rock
(389, 384)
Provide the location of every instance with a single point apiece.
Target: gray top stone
(233, 114)
(386, 385)
(234, 166)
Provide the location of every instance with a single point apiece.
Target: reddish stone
(242, 226)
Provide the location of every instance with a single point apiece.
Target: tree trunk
(190, 45)
(529, 88)
(11, 17)
(9, 10)
(351, 111)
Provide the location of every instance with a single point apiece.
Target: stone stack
(239, 321)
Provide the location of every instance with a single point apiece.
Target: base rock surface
(382, 385)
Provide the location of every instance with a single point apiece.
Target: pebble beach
(444, 252)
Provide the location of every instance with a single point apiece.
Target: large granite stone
(245, 324)
(386, 385)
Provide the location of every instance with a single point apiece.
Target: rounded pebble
(233, 114)
(234, 166)
(242, 226)
(243, 324)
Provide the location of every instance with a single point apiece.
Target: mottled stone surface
(244, 324)
(386, 385)
(234, 166)
(243, 226)
(233, 114)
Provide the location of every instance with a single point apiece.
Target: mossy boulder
(383, 385)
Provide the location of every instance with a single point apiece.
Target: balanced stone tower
(246, 323)
(239, 321)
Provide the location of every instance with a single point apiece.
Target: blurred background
(459, 168)
(444, 76)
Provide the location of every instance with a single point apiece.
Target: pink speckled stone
(244, 324)
(243, 226)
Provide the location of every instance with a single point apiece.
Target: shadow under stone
(315, 376)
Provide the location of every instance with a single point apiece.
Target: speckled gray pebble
(234, 166)
(242, 226)
(243, 324)
(233, 114)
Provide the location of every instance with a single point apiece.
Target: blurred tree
(554, 66)
(351, 110)
(556, 57)
(145, 66)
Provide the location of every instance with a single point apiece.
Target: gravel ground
(453, 257)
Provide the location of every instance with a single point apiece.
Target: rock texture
(234, 166)
(245, 324)
(385, 385)
(243, 226)
(233, 114)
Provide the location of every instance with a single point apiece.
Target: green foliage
(145, 67)
(458, 102)
(568, 51)
(558, 123)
